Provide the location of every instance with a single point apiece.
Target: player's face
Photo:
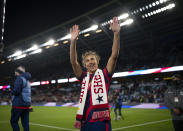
(16, 74)
(91, 63)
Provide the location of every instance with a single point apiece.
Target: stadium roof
(150, 41)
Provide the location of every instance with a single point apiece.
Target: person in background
(118, 105)
(174, 101)
(21, 99)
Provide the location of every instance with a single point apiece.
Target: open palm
(74, 31)
(115, 25)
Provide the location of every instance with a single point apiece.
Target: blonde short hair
(84, 55)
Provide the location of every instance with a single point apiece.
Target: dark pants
(178, 125)
(15, 115)
(96, 126)
(119, 108)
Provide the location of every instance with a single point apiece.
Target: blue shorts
(97, 126)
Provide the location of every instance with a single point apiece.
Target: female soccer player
(93, 113)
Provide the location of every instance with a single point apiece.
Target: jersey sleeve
(107, 75)
(82, 76)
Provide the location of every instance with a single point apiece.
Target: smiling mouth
(92, 65)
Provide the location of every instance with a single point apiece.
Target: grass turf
(64, 117)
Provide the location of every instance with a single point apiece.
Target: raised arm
(74, 31)
(115, 27)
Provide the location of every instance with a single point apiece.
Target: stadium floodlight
(20, 56)
(68, 36)
(92, 28)
(140, 9)
(17, 53)
(34, 47)
(86, 35)
(170, 6)
(36, 51)
(123, 16)
(162, 9)
(147, 7)
(157, 2)
(47, 47)
(56, 44)
(153, 4)
(2, 62)
(48, 43)
(161, 1)
(9, 59)
(150, 5)
(66, 41)
(98, 31)
(127, 22)
(104, 24)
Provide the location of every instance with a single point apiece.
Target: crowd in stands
(143, 92)
(132, 92)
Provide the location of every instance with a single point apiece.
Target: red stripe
(107, 126)
(18, 107)
(106, 73)
(101, 106)
(90, 106)
(159, 71)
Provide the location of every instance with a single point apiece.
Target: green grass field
(62, 118)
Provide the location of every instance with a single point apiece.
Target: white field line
(147, 123)
(36, 124)
(121, 128)
(55, 127)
